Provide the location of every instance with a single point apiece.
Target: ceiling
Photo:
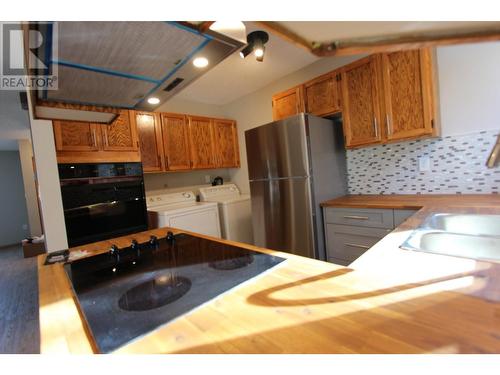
(236, 77)
(329, 31)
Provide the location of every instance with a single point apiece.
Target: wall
(469, 85)
(154, 182)
(14, 215)
(255, 109)
(469, 92)
(28, 174)
(457, 166)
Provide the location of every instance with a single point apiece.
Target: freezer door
(282, 216)
(278, 149)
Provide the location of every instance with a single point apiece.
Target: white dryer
(235, 211)
(181, 211)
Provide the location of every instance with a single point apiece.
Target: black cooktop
(129, 292)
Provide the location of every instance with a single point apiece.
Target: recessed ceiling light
(200, 62)
(153, 100)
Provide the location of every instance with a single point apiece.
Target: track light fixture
(256, 43)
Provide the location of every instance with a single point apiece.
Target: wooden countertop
(416, 201)
(388, 301)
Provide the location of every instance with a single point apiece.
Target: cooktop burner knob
(153, 241)
(170, 237)
(115, 253)
(135, 246)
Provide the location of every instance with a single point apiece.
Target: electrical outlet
(208, 179)
(424, 164)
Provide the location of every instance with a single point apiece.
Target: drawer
(348, 243)
(362, 217)
(402, 215)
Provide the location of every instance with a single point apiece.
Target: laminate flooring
(19, 323)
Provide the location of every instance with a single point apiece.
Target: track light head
(256, 41)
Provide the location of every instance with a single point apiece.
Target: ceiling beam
(383, 43)
(284, 33)
(404, 42)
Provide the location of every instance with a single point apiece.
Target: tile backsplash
(457, 166)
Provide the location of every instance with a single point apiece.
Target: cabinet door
(361, 112)
(150, 140)
(76, 136)
(407, 79)
(226, 144)
(176, 141)
(121, 134)
(322, 95)
(201, 139)
(288, 103)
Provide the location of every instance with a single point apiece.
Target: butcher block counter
(388, 301)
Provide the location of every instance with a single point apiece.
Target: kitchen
(307, 208)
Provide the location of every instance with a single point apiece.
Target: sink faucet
(495, 155)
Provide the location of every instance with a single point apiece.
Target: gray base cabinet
(350, 232)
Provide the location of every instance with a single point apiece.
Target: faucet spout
(494, 157)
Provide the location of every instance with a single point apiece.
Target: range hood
(121, 64)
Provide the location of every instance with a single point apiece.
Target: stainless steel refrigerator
(294, 165)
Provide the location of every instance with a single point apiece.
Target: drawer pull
(355, 245)
(356, 217)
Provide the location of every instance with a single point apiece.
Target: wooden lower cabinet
(150, 140)
(288, 103)
(226, 143)
(175, 130)
(361, 111)
(84, 142)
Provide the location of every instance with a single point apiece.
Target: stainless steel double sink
(461, 235)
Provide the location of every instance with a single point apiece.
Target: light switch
(424, 164)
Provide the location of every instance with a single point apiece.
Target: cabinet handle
(92, 136)
(168, 161)
(356, 217)
(356, 245)
(388, 124)
(375, 126)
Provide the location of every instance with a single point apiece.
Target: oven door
(98, 211)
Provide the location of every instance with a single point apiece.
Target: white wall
(256, 109)
(469, 85)
(13, 206)
(26, 155)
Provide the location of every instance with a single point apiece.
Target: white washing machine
(181, 211)
(235, 211)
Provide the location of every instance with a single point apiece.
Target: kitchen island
(388, 301)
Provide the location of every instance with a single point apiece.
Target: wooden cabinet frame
(167, 131)
(332, 94)
(158, 141)
(134, 146)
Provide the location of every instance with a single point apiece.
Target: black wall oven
(102, 201)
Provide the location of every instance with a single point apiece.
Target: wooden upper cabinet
(288, 103)
(322, 95)
(150, 139)
(76, 136)
(361, 112)
(408, 93)
(226, 143)
(121, 134)
(201, 137)
(176, 141)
